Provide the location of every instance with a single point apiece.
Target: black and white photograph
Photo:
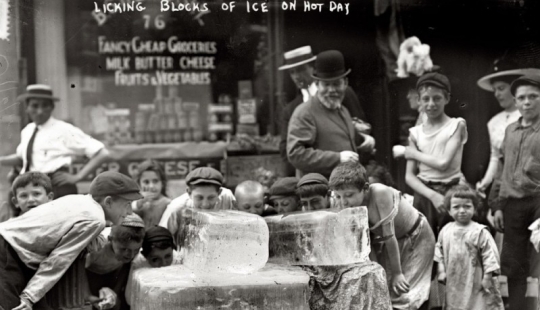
(270, 154)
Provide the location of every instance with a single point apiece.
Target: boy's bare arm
(410, 178)
(11, 160)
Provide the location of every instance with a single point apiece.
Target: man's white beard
(331, 104)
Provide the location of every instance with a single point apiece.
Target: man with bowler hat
(299, 65)
(321, 131)
(48, 144)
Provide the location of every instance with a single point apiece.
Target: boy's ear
(51, 196)
(14, 201)
(188, 190)
(219, 191)
(366, 186)
(110, 238)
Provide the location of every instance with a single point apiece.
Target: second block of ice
(225, 241)
(329, 237)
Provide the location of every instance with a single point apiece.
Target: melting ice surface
(327, 237)
(225, 241)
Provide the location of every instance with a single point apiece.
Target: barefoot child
(109, 267)
(467, 256)
(314, 192)
(250, 198)
(39, 246)
(407, 241)
(153, 182)
(283, 196)
(435, 150)
(30, 190)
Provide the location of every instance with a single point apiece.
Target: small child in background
(110, 266)
(283, 195)
(314, 192)
(153, 182)
(378, 173)
(158, 250)
(30, 190)
(467, 256)
(250, 198)
(204, 191)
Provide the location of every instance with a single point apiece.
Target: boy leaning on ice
(38, 247)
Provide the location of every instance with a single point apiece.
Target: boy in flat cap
(435, 151)
(314, 192)
(519, 196)
(38, 247)
(204, 191)
(283, 196)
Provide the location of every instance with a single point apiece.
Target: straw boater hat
(330, 65)
(37, 91)
(297, 57)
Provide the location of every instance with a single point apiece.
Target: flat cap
(525, 80)
(436, 79)
(284, 187)
(133, 220)
(312, 178)
(204, 175)
(115, 184)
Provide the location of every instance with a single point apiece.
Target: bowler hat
(525, 80)
(37, 91)
(504, 68)
(203, 175)
(435, 79)
(312, 178)
(330, 65)
(283, 187)
(297, 57)
(110, 183)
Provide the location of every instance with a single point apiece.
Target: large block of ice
(328, 237)
(176, 287)
(225, 241)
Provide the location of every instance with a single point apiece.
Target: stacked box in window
(119, 126)
(220, 126)
(142, 117)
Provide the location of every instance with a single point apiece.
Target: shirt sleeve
(227, 200)
(172, 207)
(60, 259)
(80, 143)
(489, 252)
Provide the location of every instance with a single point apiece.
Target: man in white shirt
(48, 145)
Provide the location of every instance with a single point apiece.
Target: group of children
(43, 244)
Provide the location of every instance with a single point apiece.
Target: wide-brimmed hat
(37, 91)
(504, 67)
(330, 65)
(297, 57)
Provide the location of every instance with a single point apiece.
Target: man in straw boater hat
(299, 65)
(321, 132)
(48, 144)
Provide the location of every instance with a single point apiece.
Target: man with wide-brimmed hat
(321, 131)
(299, 65)
(48, 145)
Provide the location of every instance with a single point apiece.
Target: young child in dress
(204, 191)
(406, 238)
(38, 247)
(314, 192)
(110, 266)
(435, 151)
(283, 195)
(158, 250)
(30, 190)
(467, 256)
(250, 198)
(153, 182)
